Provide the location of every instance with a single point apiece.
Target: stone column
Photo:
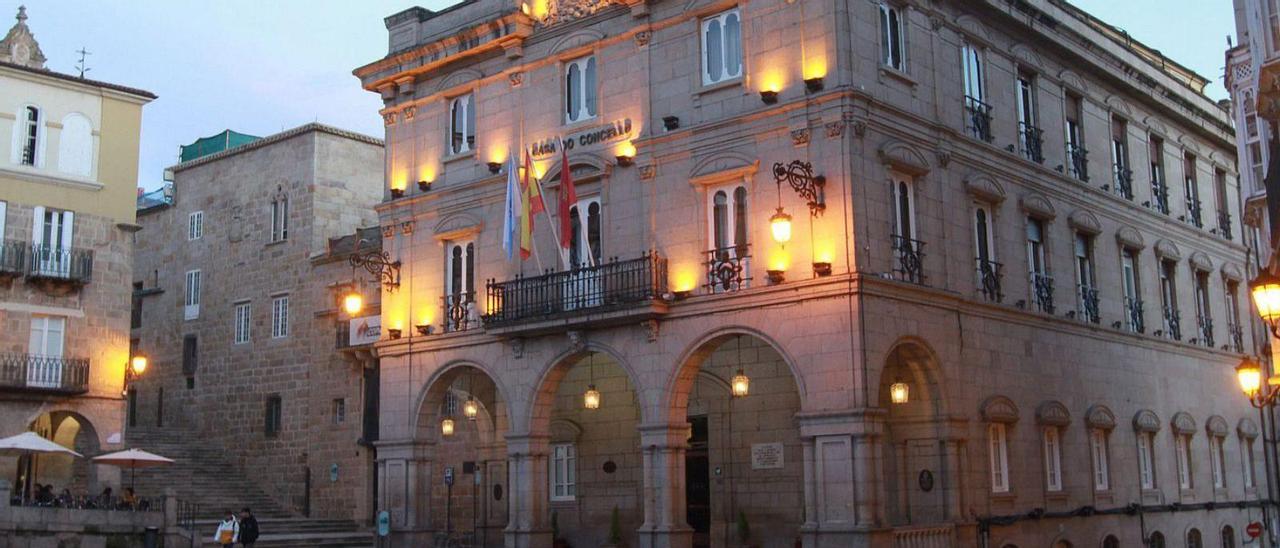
(953, 474)
(665, 525)
(841, 478)
(528, 513)
(867, 478)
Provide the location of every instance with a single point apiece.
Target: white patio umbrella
(132, 459)
(31, 443)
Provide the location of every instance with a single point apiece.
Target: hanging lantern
(780, 226)
(446, 427)
(899, 393)
(470, 408)
(352, 302)
(1265, 290)
(591, 398)
(740, 384)
(138, 364)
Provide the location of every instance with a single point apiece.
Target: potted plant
(615, 530)
(556, 541)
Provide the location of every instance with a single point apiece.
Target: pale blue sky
(263, 66)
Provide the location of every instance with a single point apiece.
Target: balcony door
(51, 240)
(44, 364)
(585, 284)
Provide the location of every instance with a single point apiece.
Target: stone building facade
(1255, 45)
(68, 174)
(1007, 313)
(236, 299)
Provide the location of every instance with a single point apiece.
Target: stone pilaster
(528, 521)
(665, 524)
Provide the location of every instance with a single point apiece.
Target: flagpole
(551, 224)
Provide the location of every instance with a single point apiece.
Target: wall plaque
(766, 455)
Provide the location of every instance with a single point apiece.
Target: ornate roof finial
(22, 14)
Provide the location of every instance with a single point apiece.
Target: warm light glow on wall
(424, 315)
(498, 153)
(823, 251)
(779, 259)
(627, 149)
(772, 79)
(427, 173)
(684, 276)
(815, 67)
(537, 9)
(400, 180)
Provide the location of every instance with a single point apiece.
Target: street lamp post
(1261, 390)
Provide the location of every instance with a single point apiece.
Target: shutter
(37, 228)
(67, 219)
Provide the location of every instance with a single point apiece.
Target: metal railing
(89, 502)
(909, 263)
(1172, 324)
(1193, 212)
(1089, 311)
(60, 263)
(1224, 224)
(13, 257)
(611, 284)
(44, 373)
(1124, 182)
(1078, 162)
(728, 269)
(1135, 318)
(1032, 140)
(460, 311)
(977, 118)
(1160, 194)
(1205, 326)
(1236, 333)
(1042, 291)
(989, 275)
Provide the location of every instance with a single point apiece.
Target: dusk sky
(260, 67)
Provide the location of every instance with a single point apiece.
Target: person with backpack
(228, 531)
(248, 528)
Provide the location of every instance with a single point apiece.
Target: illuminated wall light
(684, 278)
(352, 302)
(780, 226)
(591, 398)
(899, 393)
(626, 154)
(815, 69)
(771, 84)
(740, 385)
(446, 427)
(822, 256)
(470, 408)
(778, 262)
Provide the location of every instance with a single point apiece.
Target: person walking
(248, 528)
(228, 531)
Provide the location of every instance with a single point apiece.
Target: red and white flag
(568, 198)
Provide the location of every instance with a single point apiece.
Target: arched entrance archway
(462, 420)
(919, 463)
(79, 475)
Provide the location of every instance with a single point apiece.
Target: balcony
(1078, 162)
(1237, 338)
(1032, 140)
(611, 293)
(1193, 212)
(1042, 292)
(909, 255)
(1134, 317)
(1124, 182)
(728, 269)
(460, 312)
(1088, 304)
(989, 274)
(1224, 225)
(13, 258)
(1205, 329)
(44, 374)
(65, 265)
(977, 119)
(1160, 193)
(1172, 324)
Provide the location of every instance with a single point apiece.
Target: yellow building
(68, 179)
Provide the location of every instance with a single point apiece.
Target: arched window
(280, 218)
(75, 145)
(1194, 540)
(1111, 542)
(1228, 537)
(30, 136)
(462, 125)
(1156, 540)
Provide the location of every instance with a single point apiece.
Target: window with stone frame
(1216, 462)
(984, 241)
(580, 89)
(31, 133)
(1099, 454)
(893, 42)
(195, 225)
(279, 217)
(1191, 191)
(280, 316)
(462, 124)
(1248, 432)
(998, 454)
(722, 47)
(1076, 155)
(1182, 454)
(727, 219)
(1133, 312)
(977, 111)
(563, 473)
(1146, 458)
(1052, 442)
(191, 296)
(459, 286)
(273, 416)
(339, 410)
(1204, 315)
(242, 326)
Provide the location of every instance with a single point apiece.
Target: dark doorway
(133, 406)
(697, 483)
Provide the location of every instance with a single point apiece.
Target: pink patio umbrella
(132, 459)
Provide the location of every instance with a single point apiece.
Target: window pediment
(458, 226)
(999, 409)
(1166, 249)
(1201, 262)
(1053, 413)
(584, 37)
(1231, 271)
(723, 167)
(984, 188)
(1146, 420)
(903, 157)
(1216, 426)
(1085, 222)
(1183, 423)
(457, 79)
(1247, 428)
(565, 431)
(1038, 206)
(1072, 80)
(1129, 237)
(1100, 416)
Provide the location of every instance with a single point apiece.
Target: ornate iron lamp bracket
(799, 176)
(379, 264)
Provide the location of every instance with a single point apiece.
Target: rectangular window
(31, 136)
(1220, 197)
(1215, 462)
(1087, 290)
(580, 89)
(51, 237)
(243, 314)
(1052, 459)
(727, 219)
(47, 339)
(585, 221)
(1077, 157)
(988, 269)
(1029, 137)
(1204, 316)
(977, 111)
(462, 124)
(563, 472)
(273, 416)
(1246, 447)
(1182, 449)
(280, 219)
(999, 455)
(459, 286)
(1146, 463)
(1035, 246)
(1122, 174)
(1256, 163)
(1159, 186)
(892, 38)
(190, 356)
(191, 301)
(1099, 453)
(1192, 191)
(195, 225)
(280, 317)
(903, 203)
(1169, 298)
(339, 410)
(721, 47)
(135, 302)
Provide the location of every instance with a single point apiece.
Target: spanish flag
(530, 205)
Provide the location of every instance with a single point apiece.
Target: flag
(568, 199)
(511, 211)
(535, 193)
(530, 205)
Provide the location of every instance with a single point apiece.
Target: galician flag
(531, 204)
(511, 210)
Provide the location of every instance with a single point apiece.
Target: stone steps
(298, 533)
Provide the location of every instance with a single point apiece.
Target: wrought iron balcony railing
(1134, 317)
(1205, 326)
(13, 257)
(1124, 182)
(460, 311)
(1160, 195)
(60, 263)
(32, 372)
(989, 274)
(1042, 291)
(1193, 212)
(1172, 324)
(1224, 224)
(728, 269)
(1088, 296)
(977, 118)
(909, 255)
(606, 286)
(1032, 141)
(1237, 337)
(1078, 162)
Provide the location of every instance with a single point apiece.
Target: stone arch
(1073, 81)
(1053, 413)
(1200, 261)
(1167, 250)
(1084, 221)
(728, 162)
(692, 357)
(1120, 106)
(985, 188)
(577, 39)
(972, 28)
(433, 395)
(538, 413)
(1183, 423)
(1129, 237)
(1100, 416)
(903, 157)
(1146, 420)
(1232, 271)
(924, 368)
(458, 78)
(1216, 426)
(999, 409)
(909, 425)
(1027, 56)
(74, 431)
(457, 225)
(1247, 428)
(594, 165)
(1036, 205)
